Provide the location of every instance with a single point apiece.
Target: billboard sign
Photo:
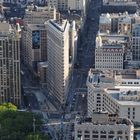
(35, 39)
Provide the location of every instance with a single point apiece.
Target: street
(85, 58)
(76, 103)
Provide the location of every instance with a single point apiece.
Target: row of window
(101, 132)
(130, 83)
(109, 60)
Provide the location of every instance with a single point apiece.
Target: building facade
(42, 72)
(102, 126)
(136, 43)
(73, 37)
(34, 42)
(119, 95)
(124, 25)
(64, 5)
(39, 15)
(105, 23)
(77, 4)
(108, 56)
(118, 23)
(58, 58)
(10, 84)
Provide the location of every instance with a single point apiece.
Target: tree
(18, 125)
(8, 106)
(37, 137)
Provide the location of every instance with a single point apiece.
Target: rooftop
(34, 8)
(36, 26)
(100, 79)
(121, 3)
(112, 46)
(111, 40)
(126, 19)
(111, 79)
(128, 74)
(105, 19)
(123, 17)
(59, 24)
(4, 27)
(125, 97)
(109, 119)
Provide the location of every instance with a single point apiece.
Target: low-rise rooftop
(103, 118)
(117, 79)
(100, 79)
(34, 8)
(124, 97)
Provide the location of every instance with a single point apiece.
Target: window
(95, 132)
(87, 136)
(119, 132)
(94, 136)
(79, 131)
(103, 136)
(111, 132)
(79, 136)
(103, 132)
(86, 131)
(111, 136)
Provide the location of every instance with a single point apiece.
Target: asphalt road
(86, 57)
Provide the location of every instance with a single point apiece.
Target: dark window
(111, 136)
(86, 131)
(87, 136)
(119, 132)
(94, 136)
(103, 136)
(111, 132)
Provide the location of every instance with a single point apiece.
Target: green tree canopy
(36, 137)
(8, 106)
(18, 125)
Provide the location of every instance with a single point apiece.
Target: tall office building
(10, 90)
(58, 58)
(59, 4)
(77, 4)
(34, 45)
(136, 43)
(68, 4)
(34, 34)
(38, 15)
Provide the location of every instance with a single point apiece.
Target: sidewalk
(45, 104)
